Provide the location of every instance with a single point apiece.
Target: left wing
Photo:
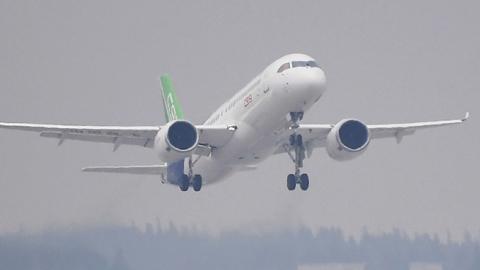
(144, 136)
(315, 135)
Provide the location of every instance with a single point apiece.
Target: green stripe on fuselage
(171, 106)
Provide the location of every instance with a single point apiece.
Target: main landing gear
(187, 180)
(296, 144)
(195, 181)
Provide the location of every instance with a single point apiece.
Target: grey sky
(91, 62)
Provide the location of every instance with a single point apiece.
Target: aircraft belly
(212, 170)
(249, 146)
(261, 122)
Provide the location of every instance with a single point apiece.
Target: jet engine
(347, 139)
(176, 140)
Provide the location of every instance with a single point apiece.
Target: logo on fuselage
(172, 112)
(247, 100)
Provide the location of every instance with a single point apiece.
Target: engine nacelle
(347, 139)
(176, 140)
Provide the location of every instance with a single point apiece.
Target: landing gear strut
(190, 179)
(295, 117)
(296, 144)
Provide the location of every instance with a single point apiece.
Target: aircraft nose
(311, 81)
(316, 80)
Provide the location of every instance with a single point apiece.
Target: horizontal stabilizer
(148, 170)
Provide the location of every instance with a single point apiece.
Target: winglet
(467, 115)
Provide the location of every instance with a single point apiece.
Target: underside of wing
(144, 136)
(399, 130)
(215, 136)
(315, 136)
(136, 135)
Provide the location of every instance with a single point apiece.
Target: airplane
(261, 120)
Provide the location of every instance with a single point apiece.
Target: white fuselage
(262, 119)
(260, 112)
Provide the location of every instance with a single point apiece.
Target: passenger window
(284, 67)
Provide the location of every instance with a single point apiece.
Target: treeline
(124, 247)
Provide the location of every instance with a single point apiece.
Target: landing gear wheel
(197, 182)
(296, 140)
(299, 140)
(291, 182)
(304, 181)
(184, 183)
(292, 139)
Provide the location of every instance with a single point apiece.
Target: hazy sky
(97, 62)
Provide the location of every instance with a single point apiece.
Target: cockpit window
(312, 64)
(284, 67)
(304, 64)
(297, 64)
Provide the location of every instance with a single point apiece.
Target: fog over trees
(127, 247)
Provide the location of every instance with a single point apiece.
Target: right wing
(141, 135)
(148, 170)
(144, 136)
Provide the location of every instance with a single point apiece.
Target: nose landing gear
(296, 144)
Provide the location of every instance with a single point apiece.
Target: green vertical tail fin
(171, 106)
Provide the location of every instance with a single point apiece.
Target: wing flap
(116, 140)
(143, 170)
(134, 131)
